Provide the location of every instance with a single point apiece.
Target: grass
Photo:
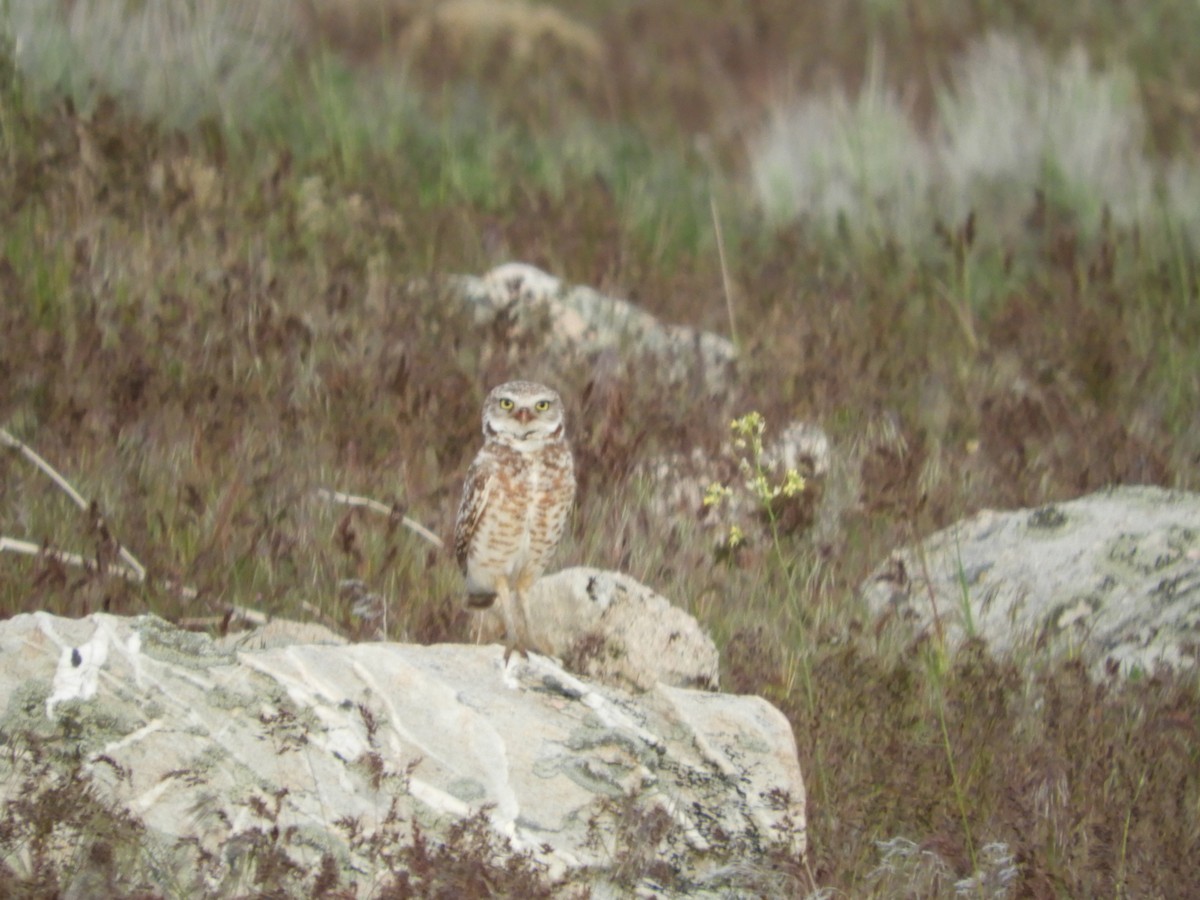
(206, 319)
(1010, 122)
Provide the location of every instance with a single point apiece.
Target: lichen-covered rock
(577, 321)
(1115, 575)
(299, 769)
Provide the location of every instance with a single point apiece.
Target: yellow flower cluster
(748, 439)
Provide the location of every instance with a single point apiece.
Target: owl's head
(523, 414)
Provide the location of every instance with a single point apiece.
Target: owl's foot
(517, 645)
(516, 623)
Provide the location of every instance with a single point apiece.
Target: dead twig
(28, 548)
(234, 612)
(132, 570)
(12, 545)
(136, 571)
(234, 615)
(384, 510)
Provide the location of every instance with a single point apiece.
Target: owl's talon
(519, 647)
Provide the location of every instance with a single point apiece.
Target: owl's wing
(477, 491)
(562, 486)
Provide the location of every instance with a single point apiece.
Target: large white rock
(1114, 575)
(331, 754)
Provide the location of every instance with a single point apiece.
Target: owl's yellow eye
(506, 404)
(542, 405)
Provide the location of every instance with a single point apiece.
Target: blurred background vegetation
(961, 237)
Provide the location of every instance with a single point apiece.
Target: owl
(516, 499)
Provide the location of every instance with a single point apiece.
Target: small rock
(582, 322)
(613, 628)
(513, 38)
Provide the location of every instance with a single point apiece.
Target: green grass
(206, 319)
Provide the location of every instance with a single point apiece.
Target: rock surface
(582, 322)
(321, 762)
(1115, 575)
(610, 627)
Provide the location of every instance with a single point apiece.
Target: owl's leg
(521, 595)
(511, 608)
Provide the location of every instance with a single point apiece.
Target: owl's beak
(523, 415)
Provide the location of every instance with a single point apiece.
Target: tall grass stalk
(726, 282)
(936, 663)
(964, 592)
(1122, 889)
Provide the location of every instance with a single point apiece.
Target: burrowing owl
(515, 502)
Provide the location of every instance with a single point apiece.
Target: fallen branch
(234, 615)
(382, 509)
(28, 548)
(49, 471)
(316, 612)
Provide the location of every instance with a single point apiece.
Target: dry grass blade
(726, 282)
(138, 570)
(383, 509)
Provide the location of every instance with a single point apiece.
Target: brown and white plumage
(516, 499)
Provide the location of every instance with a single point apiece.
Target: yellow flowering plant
(765, 487)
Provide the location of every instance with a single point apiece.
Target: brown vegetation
(201, 329)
